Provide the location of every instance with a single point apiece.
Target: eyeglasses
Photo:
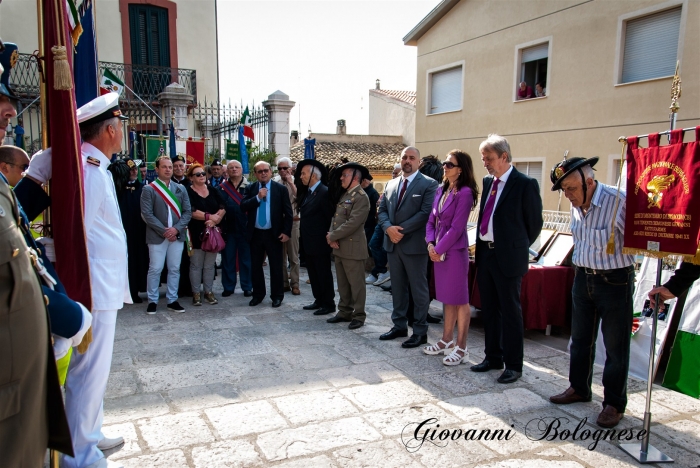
(262, 171)
(199, 174)
(23, 166)
(282, 168)
(449, 165)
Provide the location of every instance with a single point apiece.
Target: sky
(326, 55)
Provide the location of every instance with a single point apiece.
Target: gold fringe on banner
(610, 249)
(87, 339)
(695, 259)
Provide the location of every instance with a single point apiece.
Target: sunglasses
(24, 167)
(449, 165)
(282, 168)
(199, 174)
(263, 171)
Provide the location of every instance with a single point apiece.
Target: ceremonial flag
(74, 21)
(132, 144)
(85, 66)
(173, 139)
(110, 83)
(194, 149)
(247, 125)
(232, 151)
(662, 190)
(309, 148)
(682, 372)
(242, 148)
(155, 147)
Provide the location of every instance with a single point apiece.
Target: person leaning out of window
(208, 209)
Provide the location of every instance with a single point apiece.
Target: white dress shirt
(488, 237)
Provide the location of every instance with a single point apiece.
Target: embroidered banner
(662, 197)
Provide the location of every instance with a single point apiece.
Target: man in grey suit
(165, 207)
(403, 214)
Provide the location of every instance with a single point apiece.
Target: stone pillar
(175, 99)
(279, 106)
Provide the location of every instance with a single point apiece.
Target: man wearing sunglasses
(13, 163)
(269, 226)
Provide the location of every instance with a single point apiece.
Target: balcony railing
(145, 80)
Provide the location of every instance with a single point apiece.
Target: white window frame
(535, 159)
(518, 65)
(429, 86)
(622, 30)
(614, 165)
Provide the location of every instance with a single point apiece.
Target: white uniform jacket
(106, 239)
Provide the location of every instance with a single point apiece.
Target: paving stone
(513, 442)
(636, 404)
(559, 364)
(121, 383)
(393, 422)
(457, 453)
(359, 353)
(371, 373)
(535, 374)
(169, 459)
(275, 317)
(161, 341)
(230, 453)
(684, 433)
(161, 356)
(206, 336)
(422, 364)
(125, 345)
(314, 407)
(228, 322)
(454, 383)
(203, 396)
(321, 461)
(301, 315)
(175, 431)
(314, 438)
(244, 418)
(131, 440)
(387, 395)
(164, 328)
(254, 366)
(675, 400)
(533, 463)
(134, 407)
(605, 455)
(537, 351)
(550, 452)
(195, 313)
(315, 357)
(516, 400)
(386, 454)
(681, 456)
(121, 361)
(282, 384)
(245, 347)
(134, 317)
(187, 374)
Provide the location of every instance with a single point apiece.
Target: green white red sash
(171, 200)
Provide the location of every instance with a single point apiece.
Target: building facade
(605, 66)
(393, 113)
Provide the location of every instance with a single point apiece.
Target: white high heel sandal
(454, 359)
(436, 349)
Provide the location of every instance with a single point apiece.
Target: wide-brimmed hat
(335, 187)
(352, 165)
(312, 162)
(566, 167)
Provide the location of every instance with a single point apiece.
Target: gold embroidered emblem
(558, 172)
(656, 186)
(14, 58)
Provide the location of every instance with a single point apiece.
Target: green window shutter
(148, 29)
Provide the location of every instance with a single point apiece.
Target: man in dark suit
(510, 219)
(269, 225)
(316, 211)
(403, 214)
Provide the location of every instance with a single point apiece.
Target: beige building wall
(389, 116)
(196, 35)
(585, 111)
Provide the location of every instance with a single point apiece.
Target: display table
(545, 295)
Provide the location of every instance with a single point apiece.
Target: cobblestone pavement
(230, 385)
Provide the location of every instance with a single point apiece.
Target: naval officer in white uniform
(101, 131)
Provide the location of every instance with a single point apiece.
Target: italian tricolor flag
(110, 83)
(247, 125)
(683, 371)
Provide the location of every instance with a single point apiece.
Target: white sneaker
(383, 278)
(370, 279)
(106, 443)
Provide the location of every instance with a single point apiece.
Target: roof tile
(373, 156)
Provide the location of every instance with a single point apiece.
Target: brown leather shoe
(287, 289)
(295, 291)
(609, 417)
(569, 396)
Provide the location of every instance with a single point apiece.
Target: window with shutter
(149, 35)
(531, 169)
(445, 91)
(651, 46)
(534, 61)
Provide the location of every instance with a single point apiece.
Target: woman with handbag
(448, 249)
(208, 209)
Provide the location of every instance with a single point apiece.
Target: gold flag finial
(675, 90)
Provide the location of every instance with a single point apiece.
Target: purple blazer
(449, 226)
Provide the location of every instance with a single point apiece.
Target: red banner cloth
(545, 295)
(195, 151)
(662, 190)
(67, 180)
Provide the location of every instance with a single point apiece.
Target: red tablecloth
(545, 295)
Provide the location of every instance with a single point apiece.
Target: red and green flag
(247, 124)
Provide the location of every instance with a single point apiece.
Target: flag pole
(643, 452)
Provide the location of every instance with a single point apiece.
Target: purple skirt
(452, 278)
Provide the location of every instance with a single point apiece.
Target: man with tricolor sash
(165, 207)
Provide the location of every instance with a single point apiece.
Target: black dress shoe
(431, 319)
(254, 301)
(247, 293)
(276, 302)
(136, 300)
(385, 287)
(414, 341)
(486, 366)
(509, 376)
(355, 324)
(394, 333)
(324, 311)
(337, 319)
(226, 293)
(312, 306)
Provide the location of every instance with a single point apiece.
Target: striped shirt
(592, 231)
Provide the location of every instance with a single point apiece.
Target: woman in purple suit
(446, 236)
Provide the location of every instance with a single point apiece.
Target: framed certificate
(559, 248)
(542, 241)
